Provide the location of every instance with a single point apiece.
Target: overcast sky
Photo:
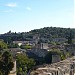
(26, 15)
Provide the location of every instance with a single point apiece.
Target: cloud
(11, 4)
(28, 8)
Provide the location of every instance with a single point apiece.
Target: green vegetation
(6, 63)
(6, 59)
(12, 45)
(48, 57)
(24, 64)
(25, 47)
(3, 45)
(47, 32)
(70, 38)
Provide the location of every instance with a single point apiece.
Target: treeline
(46, 32)
(53, 32)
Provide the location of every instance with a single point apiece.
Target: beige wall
(13, 72)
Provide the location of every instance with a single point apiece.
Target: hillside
(54, 32)
(46, 33)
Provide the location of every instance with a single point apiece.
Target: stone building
(65, 67)
(55, 58)
(70, 48)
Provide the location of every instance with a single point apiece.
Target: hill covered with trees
(46, 32)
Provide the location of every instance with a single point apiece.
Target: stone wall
(65, 67)
(13, 72)
(56, 58)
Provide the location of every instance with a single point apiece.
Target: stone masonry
(65, 67)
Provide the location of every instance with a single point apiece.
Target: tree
(6, 63)
(70, 37)
(3, 45)
(69, 40)
(12, 45)
(24, 64)
(25, 47)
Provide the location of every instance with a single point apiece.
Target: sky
(26, 15)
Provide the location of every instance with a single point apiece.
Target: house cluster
(65, 67)
(31, 42)
(41, 49)
(15, 51)
(70, 48)
(62, 40)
